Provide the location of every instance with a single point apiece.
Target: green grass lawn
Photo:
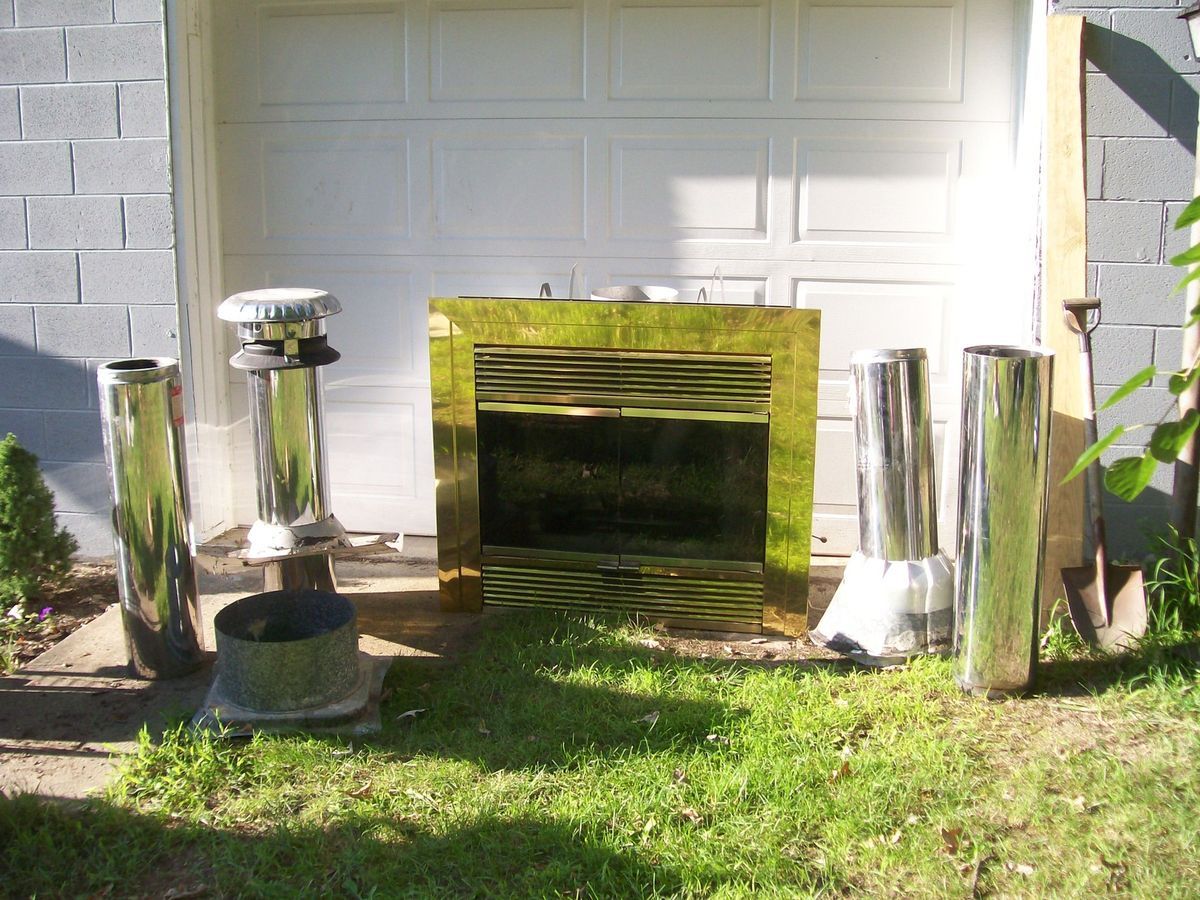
(567, 758)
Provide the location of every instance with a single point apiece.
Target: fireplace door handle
(607, 412)
(613, 567)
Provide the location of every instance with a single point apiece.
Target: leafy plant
(33, 550)
(1128, 477)
(1174, 588)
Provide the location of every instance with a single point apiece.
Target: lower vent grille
(730, 605)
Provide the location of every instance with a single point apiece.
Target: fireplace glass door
(625, 487)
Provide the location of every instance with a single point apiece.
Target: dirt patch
(85, 593)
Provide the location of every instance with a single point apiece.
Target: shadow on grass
(1084, 676)
(94, 848)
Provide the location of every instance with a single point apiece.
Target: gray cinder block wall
(87, 236)
(1141, 84)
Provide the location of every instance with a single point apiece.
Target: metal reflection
(141, 409)
(1002, 516)
(788, 337)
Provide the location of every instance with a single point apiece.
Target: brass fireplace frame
(790, 337)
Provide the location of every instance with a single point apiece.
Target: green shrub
(33, 550)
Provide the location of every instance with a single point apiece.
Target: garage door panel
(690, 188)
(481, 50)
(877, 190)
(893, 49)
(859, 314)
(677, 49)
(734, 291)
(504, 188)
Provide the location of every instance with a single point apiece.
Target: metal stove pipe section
(283, 348)
(896, 597)
(141, 410)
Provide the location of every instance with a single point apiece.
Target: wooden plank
(1064, 268)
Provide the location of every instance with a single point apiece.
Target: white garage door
(845, 155)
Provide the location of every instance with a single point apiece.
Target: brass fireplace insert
(649, 457)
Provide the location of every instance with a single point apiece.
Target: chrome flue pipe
(283, 348)
(141, 411)
(1002, 516)
(896, 597)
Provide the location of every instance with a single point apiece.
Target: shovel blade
(1108, 609)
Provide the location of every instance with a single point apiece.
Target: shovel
(1107, 603)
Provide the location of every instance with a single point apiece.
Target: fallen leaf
(649, 826)
(726, 649)
(483, 729)
(717, 738)
(691, 815)
(650, 717)
(346, 751)
(846, 751)
(840, 772)
(359, 793)
(411, 713)
(680, 776)
(912, 820)
(952, 840)
(760, 641)
(1020, 868)
(651, 644)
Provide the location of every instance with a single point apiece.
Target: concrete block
(27, 426)
(6, 14)
(1094, 163)
(1139, 294)
(40, 382)
(1147, 169)
(1120, 231)
(93, 533)
(32, 55)
(74, 436)
(1119, 351)
(144, 109)
(1168, 351)
(115, 52)
(138, 10)
(63, 12)
(43, 167)
(1138, 107)
(155, 330)
(149, 222)
(1175, 240)
(12, 223)
(28, 276)
(69, 111)
(16, 330)
(1132, 527)
(1143, 407)
(80, 223)
(125, 166)
(1156, 30)
(1184, 107)
(82, 330)
(128, 276)
(77, 487)
(10, 114)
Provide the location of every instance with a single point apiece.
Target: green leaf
(1187, 257)
(1186, 280)
(1130, 386)
(1194, 316)
(1190, 214)
(1180, 381)
(1169, 438)
(1128, 477)
(1093, 452)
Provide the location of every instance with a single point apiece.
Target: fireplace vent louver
(677, 379)
(736, 604)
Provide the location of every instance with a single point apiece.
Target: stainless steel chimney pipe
(283, 348)
(1002, 516)
(896, 596)
(141, 411)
